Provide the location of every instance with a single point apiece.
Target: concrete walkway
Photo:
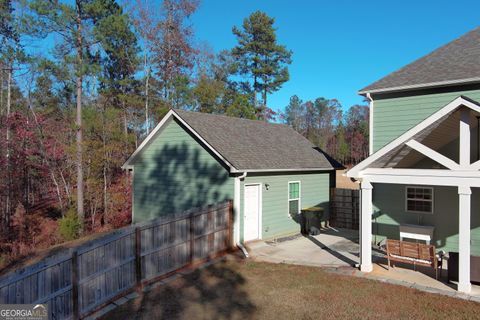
(337, 251)
(332, 248)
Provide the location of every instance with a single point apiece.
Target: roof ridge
(230, 117)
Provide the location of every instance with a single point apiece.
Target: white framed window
(419, 199)
(293, 198)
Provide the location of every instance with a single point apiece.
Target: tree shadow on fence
(214, 292)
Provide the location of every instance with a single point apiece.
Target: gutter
(281, 170)
(421, 86)
(243, 176)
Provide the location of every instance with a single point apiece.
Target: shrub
(69, 226)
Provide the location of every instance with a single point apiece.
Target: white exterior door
(251, 218)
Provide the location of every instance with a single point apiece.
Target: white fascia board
(282, 170)
(457, 102)
(426, 181)
(436, 177)
(170, 115)
(421, 173)
(421, 86)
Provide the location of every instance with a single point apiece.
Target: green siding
(389, 208)
(314, 190)
(175, 173)
(393, 116)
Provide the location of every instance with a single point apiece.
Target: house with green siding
(193, 159)
(421, 181)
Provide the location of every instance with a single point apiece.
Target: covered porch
(440, 152)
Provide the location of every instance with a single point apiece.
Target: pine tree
(260, 57)
(120, 61)
(295, 114)
(77, 23)
(9, 53)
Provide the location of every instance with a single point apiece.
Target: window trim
(293, 199)
(432, 200)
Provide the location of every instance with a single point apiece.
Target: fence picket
(75, 284)
(344, 207)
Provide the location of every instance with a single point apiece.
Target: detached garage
(193, 159)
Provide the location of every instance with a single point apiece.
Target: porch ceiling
(436, 136)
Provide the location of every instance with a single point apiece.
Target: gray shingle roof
(256, 145)
(456, 62)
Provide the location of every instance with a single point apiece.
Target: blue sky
(341, 46)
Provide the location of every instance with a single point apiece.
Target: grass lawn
(257, 290)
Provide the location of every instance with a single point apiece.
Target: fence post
(75, 278)
(138, 257)
(191, 220)
(230, 216)
(333, 213)
(210, 226)
(354, 210)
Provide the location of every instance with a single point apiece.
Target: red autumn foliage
(120, 204)
(36, 186)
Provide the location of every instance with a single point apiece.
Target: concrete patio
(337, 250)
(332, 248)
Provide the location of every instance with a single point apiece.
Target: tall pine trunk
(147, 78)
(255, 93)
(125, 123)
(264, 107)
(105, 164)
(1, 89)
(79, 138)
(125, 117)
(8, 204)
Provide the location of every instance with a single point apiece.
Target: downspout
(244, 250)
(370, 124)
(236, 208)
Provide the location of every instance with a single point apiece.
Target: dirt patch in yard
(244, 289)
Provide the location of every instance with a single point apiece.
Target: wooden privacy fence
(81, 280)
(344, 208)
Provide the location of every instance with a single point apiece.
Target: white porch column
(464, 194)
(366, 226)
(465, 138)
